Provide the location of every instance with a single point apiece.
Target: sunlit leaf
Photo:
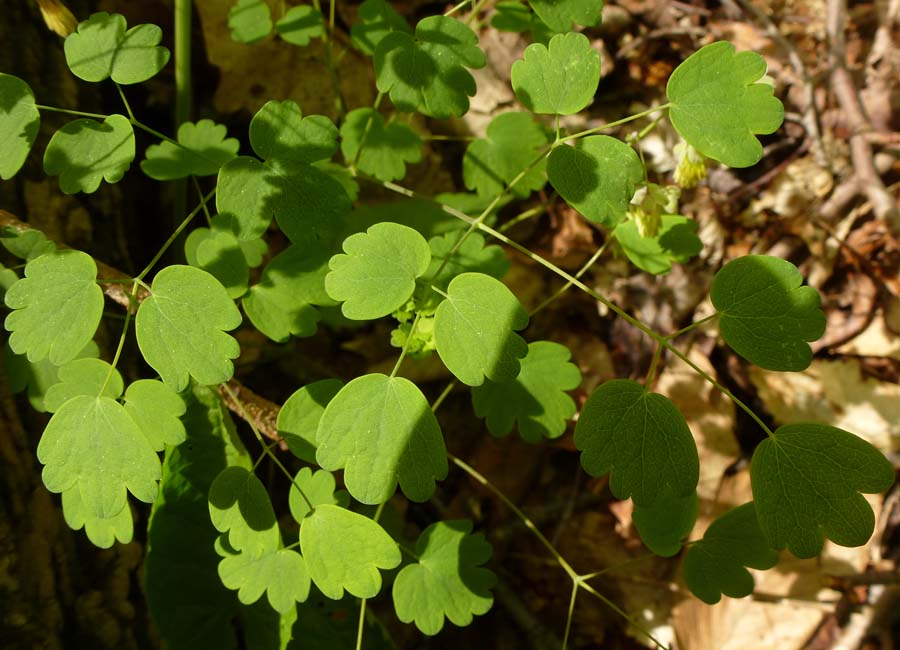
(85, 151)
(157, 410)
(300, 25)
(102, 532)
(317, 489)
(204, 148)
(560, 78)
(386, 148)
(20, 121)
(239, 505)
(281, 574)
(560, 14)
(249, 20)
(513, 142)
(298, 418)
(675, 242)
(92, 377)
(377, 19)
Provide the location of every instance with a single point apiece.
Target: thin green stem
(66, 111)
(568, 285)
(651, 373)
(618, 610)
(456, 8)
(448, 138)
(329, 61)
(694, 325)
(157, 134)
(362, 623)
(405, 348)
(183, 61)
(127, 105)
(612, 125)
(365, 133)
(571, 613)
(475, 11)
(174, 235)
(202, 202)
(440, 398)
(121, 345)
(530, 213)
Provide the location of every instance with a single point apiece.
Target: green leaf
(102, 532)
(558, 79)
(377, 19)
(57, 307)
(512, 17)
(300, 25)
(93, 444)
(597, 177)
(447, 581)
(473, 255)
(513, 142)
(715, 565)
(427, 72)
(560, 14)
(281, 574)
(39, 376)
(280, 133)
(807, 480)
(640, 439)
(381, 431)
(181, 328)
(386, 147)
(83, 377)
(20, 121)
(474, 330)
(377, 272)
(676, 241)
(221, 254)
(667, 523)
(536, 398)
(764, 314)
(239, 505)
(299, 417)
(26, 244)
(84, 152)
(157, 409)
(344, 550)
(204, 148)
(719, 104)
(318, 488)
(249, 21)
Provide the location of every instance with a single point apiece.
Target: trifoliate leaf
(239, 505)
(84, 152)
(474, 329)
(318, 489)
(447, 581)
(92, 377)
(640, 439)
(807, 480)
(281, 574)
(280, 133)
(204, 148)
(719, 104)
(381, 431)
(427, 72)
(764, 314)
(299, 418)
(220, 253)
(20, 121)
(536, 398)
(39, 376)
(667, 523)
(676, 241)
(344, 550)
(386, 148)
(93, 444)
(715, 565)
(26, 244)
(102, 48)
(249, 21)
(300, 25)
(560, 14)
(181, 328)
(377, 19)
(512, 143)
(560, 78)
(597, 177)
(157, 409)
(102, 532)
(377, 272)
(58, 307)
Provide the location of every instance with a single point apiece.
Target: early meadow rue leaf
(381, 431)
(57, 307)
(377, 272)
(560, 78)
(344, 550)
(513, 142)
(675, 241)
(281, 574)
(473, 255)
(85, 151)
(719, 103)
(474, 330)
(157, 409)
(25, 244)
(318, 488)
(93, 444)
(102, 48)
(84, 377)
(280, 133)
(640, 439)
(512, 17)
(377, 19)
(204, 148)
(249, 21)
(221, 254)
(427, 72)
(447, 580)
(807, 480)
(597, 177)
(667, 523)
(715, 565)
(386, 147)
(20, 121)
(298, 418)
(181, 328)
(102, 532)
(764, 314)
(300, 25)
(38, 377)
(536, 399)
(239, 505)
(560, 14)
